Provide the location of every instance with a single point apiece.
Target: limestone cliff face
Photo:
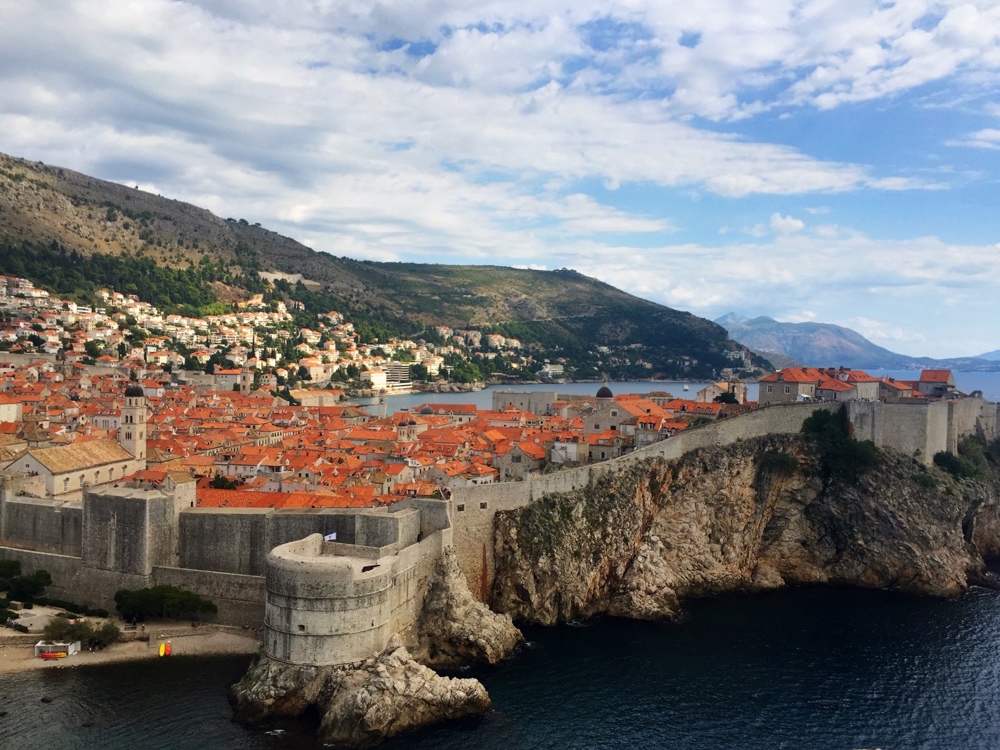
(728, 518)
(361, 704)
(455, 629)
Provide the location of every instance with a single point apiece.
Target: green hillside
(74, 233)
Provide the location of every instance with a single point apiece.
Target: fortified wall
(135, 537)
(919, 430)
(131, 537)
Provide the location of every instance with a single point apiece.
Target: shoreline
(15, 657)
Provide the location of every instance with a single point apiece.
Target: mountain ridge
(598, 329)
(827, 344)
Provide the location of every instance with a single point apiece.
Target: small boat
(53, 654)
(686, 388)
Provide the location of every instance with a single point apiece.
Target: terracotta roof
(935, 376)
(77, 456)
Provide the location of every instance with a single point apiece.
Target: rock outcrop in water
(752, 515)
(457, 630)
(359, 704)
(362, 704)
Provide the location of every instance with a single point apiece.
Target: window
(516, 458)
(770, 388)
(482, 506)
(460, 508)
(65, 484)
(788, 389)
(614, 412)
(603, 454)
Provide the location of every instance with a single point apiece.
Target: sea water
(987, 382)
(816, 668)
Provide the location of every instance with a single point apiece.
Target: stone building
(65, 471)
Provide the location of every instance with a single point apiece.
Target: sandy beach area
(18, 658)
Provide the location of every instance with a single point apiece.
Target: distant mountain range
(825, 344)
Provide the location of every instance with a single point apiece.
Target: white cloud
(512, 132)
(986, 138)
(907, 294)
(882, 333)
(805, 316)
(785, 224)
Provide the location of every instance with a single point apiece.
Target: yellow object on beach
(163, 649)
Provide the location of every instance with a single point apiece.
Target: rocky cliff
(752, 515)
(457, 630)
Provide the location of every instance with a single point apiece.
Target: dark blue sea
(810, 668)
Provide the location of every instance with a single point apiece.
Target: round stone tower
(322, 608)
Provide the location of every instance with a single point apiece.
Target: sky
(826, 160)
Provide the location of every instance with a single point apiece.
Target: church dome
(134, 391)
(605, 392)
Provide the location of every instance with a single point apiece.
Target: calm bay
(818, 668)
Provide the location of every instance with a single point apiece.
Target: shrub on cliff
(958, 467)
(779, 463)
(842, 457)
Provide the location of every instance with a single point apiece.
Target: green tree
(26, 588)
(220, 482)
(61, 630)
(161, 601)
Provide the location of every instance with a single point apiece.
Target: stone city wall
(240, 599)
(130, 538)
(42, 525)
(918, 430)
(122, 538)
(238, 540)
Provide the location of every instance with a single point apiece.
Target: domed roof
(605, 392)
(134, 391)
(427, 410)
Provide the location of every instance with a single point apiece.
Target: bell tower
(132, 432)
